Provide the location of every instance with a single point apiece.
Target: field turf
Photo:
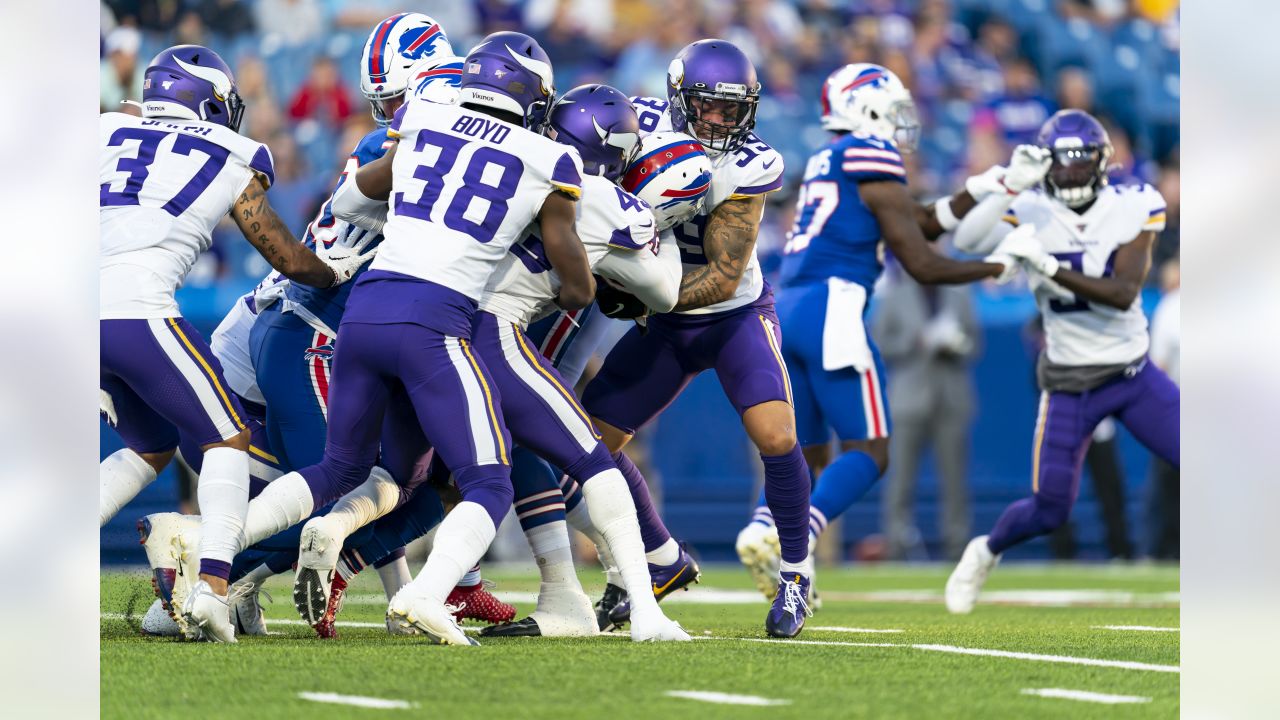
(926, 670)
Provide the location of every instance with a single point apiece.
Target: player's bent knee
(1051, 514)
(158, 460)
(238, 442)
(613, 438)
(772, 427)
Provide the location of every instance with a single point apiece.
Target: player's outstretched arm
(899, 224)
(1129, 273)
(958, 205)
(727, 243)
(362, 199)
(565, 251)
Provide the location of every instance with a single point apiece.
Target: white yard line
(836, 643)
(836, 628)
(1086, 696)
(725, 698)
(1137, 628)
(1122, 664)
(357, 700)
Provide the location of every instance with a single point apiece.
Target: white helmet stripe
(541, 69)
(221, 83)
(622, 141)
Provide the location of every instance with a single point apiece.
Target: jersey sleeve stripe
(1155, 222)
(1011, 219)
(1158, 211)
(869, 166)
(861, 153)
(573, 190)
(757, 189)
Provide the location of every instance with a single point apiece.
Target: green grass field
(925, 670)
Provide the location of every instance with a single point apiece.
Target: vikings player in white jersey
(167, 179)
(1086, 246)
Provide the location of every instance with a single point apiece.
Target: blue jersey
(323, 307)
(835, 234)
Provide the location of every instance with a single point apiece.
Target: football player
(854, 202)
(167, 178)
(1087, 255)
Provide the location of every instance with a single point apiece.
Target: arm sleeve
(655, 279)
(866, 163)
(567, 175)
(351, 205)
(983, 227)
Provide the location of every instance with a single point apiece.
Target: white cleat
(209, 615)
(246, 610)
(654, 626)
(433, 619)
(971, 572)
(565, 611)
(172, 543)
(318, 552)
(760, 552)
(158, 623)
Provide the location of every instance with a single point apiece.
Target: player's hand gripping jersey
(164, 185)
(617, 230)
(754, 169)
(1078, 332)
(465, 186)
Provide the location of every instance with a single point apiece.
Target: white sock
(787, 568)
(472, 578)
(580, 520)
(666, 554)
(120, 478)
(609, 502)
(223, 494)
(257, 576)
(283, 504)
(461, 540)
(372, 499)
(550, 545)
(395, 575)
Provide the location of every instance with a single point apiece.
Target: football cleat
(327, 627)
(790, 607)
(758, 549)
(246, 611)
(208, 616)
(971, 572)
(613, 596)
(318, 551)
(667, 579)
(475, 602)
(435, 620)
(563, 611)
(524, 627)
(172, 543)
(158, 623)
(657, 627)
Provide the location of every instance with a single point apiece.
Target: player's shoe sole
(317, 565)
(761, 553)
(171, 542)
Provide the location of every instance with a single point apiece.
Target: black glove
(615, 303)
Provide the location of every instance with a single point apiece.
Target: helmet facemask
(737, 110)
(1077, 173)
(905, 120)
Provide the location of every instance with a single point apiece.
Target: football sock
(786, 486)
(257, 576)
(472, 578)
(572, 492)
(609, 502)
(787, 568)
(580, 520)
(120, 478)
(394, 575)
(667, 554)
(223, 494)
(843, 483)
(652, 531)
(762, 515)
(539, 499)
(817, 525)
(283, 504)
(460, 542)
(550, 545)
(374, 498)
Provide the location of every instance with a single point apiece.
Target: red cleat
(326, 628)
(477, 603)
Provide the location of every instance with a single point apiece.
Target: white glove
(344, 261)
(1009, 262)
(986, 183)
(1027, 167)
(1023, 245)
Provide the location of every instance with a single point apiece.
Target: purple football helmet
(191, 82)
(601, 123)
(1081, 149)
(509, 71)
(713, 91)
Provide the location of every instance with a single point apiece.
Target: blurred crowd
(985, 74)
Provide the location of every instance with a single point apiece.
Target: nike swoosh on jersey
(769, 164)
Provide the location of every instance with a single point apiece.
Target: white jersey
(165, 185)
(464, 188)
(1078, 332)
(754, 169)
(230, 341)
(618, 233)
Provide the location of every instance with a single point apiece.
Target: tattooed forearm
(264, 229)
(727, 243)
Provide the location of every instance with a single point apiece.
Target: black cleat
(524, 627)
(612, 598)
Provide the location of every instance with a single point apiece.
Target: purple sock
(652, 530)
(216, 568)
(786, 487)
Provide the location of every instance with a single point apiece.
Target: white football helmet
(870, 100)
(672, 174)
(393, 55)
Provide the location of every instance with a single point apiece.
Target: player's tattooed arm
(1129, 273)
(727, 242)
(264, 229)
(926, 215)
(900, 226)
(564, 250)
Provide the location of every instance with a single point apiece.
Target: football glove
(986, 183)
(1027, 167)
(617, 303)
(344, 261)
(1023, 245)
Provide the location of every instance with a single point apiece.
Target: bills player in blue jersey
(166, 179)
(853, 203)
(1086, 246)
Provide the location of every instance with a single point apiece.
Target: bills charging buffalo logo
(417, 42)
(323, 352)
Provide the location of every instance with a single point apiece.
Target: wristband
(946, 218)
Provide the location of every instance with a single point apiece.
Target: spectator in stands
(1167, 247)
(228, 17)
(262, 113)
(928, 336)
(322, 97)
(1075, 89)
(190, 30)
(1009, 118)
(1166, 351)
(293, 22)
(120, 72)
